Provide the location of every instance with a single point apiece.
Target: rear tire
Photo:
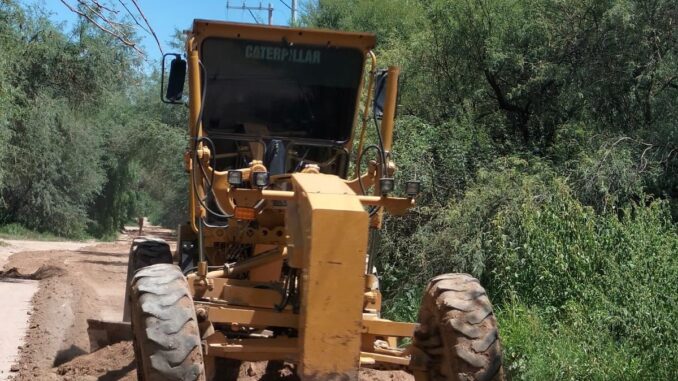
(457, 338)
(145, 251)
(166, 335)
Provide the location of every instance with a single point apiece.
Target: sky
(167, 15)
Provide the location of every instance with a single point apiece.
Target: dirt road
(75, 283)
(80, 283)
(17, 294)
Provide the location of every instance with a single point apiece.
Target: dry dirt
(82, 283)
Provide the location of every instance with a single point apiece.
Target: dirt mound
(115, 362)
(43, 272)
(367, 374)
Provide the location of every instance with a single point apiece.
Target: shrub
(581, 294)
(537, 350)
(55, 158)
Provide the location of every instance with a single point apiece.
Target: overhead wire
(148, 24)
(253, 16)
(96, 12)
(134, 17)
(285, 4)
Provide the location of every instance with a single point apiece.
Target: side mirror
(175, 83)
(379, 93)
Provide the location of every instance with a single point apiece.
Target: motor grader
(276, 262)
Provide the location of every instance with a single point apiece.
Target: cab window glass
(278, 90)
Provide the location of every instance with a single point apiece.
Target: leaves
(79, 139)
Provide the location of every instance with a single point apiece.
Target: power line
(98, 4)
(285, 4)
(134, 17)
(253, 16)
(292, 8)
(249, 8)
(148, 24)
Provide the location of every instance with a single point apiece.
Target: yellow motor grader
(273, 264)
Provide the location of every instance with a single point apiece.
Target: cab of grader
(274, 264)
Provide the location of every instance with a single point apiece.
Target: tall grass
(587, 296)
(17, 231)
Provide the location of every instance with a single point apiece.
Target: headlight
(260, 179)
(412, 188)
(386, 185)
(235, 178)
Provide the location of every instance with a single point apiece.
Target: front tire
(166, 335)
(457, 338)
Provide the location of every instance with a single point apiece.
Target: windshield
(280, 90)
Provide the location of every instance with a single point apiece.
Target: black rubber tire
(166, 335)
(457, 338)
(145, 251)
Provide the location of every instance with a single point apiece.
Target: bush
(56, 172)
(591, 275)
(581, 294)
(454, 237)
(537, 350)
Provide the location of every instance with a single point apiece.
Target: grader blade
(103, 333)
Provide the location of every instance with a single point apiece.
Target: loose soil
(88, 282)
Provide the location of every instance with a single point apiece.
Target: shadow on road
(117, 374)
(65, 355)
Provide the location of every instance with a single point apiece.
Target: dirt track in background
(88, 283)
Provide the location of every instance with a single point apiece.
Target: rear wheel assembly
(145, 251)
(457, 338)
(166, 335)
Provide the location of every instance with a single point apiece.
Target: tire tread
(165, 326)
(456, 309)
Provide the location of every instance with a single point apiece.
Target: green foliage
(55, 168)
(617, 272)
(454, 237)
(536, 350)
(17, 231)
(85, 146)
(9, 15)
(404, 17)
(582, 294)
(543, 131)
(164, 181)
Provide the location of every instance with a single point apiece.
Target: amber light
(242, 213)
